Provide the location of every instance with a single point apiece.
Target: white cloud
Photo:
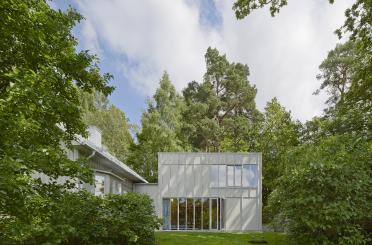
(283, 53)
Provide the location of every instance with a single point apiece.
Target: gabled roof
(116, 162)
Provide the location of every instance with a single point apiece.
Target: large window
(245, 175)
(193, 214)
(214, 176)
(99, 184)
(205, 214)
(166, 214)
(222, 176)
(214, 214)
(190, 214)
(238, 175)
(230, 175)
(182, 214)
(250, 176)
(198, 212)
(174, 213)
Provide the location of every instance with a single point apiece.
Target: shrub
(326, 197)
(82, 218)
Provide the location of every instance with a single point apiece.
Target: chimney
(95, 135)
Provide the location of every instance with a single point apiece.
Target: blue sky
(137, 41)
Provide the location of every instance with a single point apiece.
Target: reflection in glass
(193, 214)
(182, 214)
(214, 175)
(238, 175)
(205, 215)
(198, 211)
(190, 214)
(174, 213)
(222, 212)
(250, 176)
(222, 176)
(230, 175)
(214, 213)
(166, 214)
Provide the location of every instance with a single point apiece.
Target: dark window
(205, 215)
(190, 214)
(182, 214)
(198, 212)
(174, 213)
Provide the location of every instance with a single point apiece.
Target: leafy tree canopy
(111, 120)
(221, 106)
(40, 73)
(160, 130)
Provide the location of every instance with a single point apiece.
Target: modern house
(208, 191)
(196, 191)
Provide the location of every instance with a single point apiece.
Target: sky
(136, 41)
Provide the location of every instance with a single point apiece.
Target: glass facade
(174, 213)
(193, 214)
(198, 212)
(214, 214)
(182, 214)
(190, 214)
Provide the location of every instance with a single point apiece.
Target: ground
(221, 238)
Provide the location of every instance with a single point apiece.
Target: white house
(196, 191)
(208, 191)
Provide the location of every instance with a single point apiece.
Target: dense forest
(316, 174)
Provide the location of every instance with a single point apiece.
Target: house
(196, 191)
(208, 191)
(110, 174)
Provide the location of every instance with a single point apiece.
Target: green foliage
(337, 72)
(40, 73)
(278, 134)
(243, 8)
(220, 111)
(82, 218)
(110, 120)
(160, 131)
(325, 196)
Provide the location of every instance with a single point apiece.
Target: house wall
(152, 190)
(189, 175)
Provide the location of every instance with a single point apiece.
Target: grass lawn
(221, 238)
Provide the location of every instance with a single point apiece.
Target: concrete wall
(189, 175)
(153, 191)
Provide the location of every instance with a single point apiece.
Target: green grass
(221, 238)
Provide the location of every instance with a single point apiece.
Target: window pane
(230, 175)
(174, 213)
(190, 213)
(214, 175)
(198, 211)
(214, 214)
(222, 176)
(205, 213)
(182, 214)
(250, 176)
(118, 187)
(222, 213)
(238, 175)
(99, 183)
(166, 214)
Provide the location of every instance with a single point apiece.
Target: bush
(326, 197)
(82, 218)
